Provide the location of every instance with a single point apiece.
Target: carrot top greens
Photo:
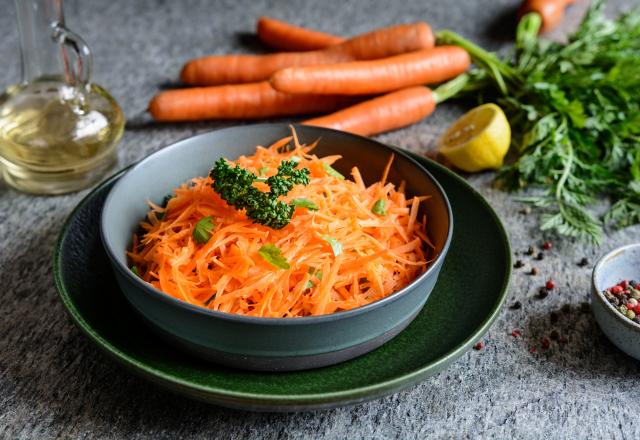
(575, 113)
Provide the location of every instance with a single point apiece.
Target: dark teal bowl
(269, 344)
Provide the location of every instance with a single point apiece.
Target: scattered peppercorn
(479, 346)
(525, 211)
(554, 335)
(540, 256)
(553, 317)
(546, 343)
(516, 305)
(547, 245)
(516, 333)
(624, 297)
(543, 293)
(550, 284)
(530, 251)
(532, 350)
(534, 271)
(518, 264)
(584, 262)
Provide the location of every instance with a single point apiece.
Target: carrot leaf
(273, 255)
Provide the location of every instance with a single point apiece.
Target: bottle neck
(48, 49)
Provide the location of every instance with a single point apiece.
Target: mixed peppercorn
(625, 297)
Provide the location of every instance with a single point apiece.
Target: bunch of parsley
(575, 113)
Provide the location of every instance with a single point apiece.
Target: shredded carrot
(380, 254)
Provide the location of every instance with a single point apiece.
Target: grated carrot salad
(380, 253)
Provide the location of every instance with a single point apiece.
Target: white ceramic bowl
(620, 264)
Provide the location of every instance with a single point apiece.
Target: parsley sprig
(575, 113)
(235, 186)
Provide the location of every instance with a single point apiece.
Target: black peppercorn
(543, 293)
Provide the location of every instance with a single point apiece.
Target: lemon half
(478, 140)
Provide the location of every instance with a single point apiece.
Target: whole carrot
(241, 101)
(284, 36)
(232, 69)
(384, 113)
(551, 11)
(426, 66)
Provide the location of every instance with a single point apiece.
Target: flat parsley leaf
(336, 246)
(304, 203)
(332, 171)
(203, 230)
(379, 207)
(314, 272)
(273, 255)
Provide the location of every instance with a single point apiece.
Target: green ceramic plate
(478, 264)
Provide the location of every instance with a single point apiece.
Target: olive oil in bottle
(58, 131)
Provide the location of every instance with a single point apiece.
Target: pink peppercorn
(545, 343)
(616, 290)
(516, 333)
(479, 346)
(547, 245)
(532, 350)
(624, 284)
(550, 285)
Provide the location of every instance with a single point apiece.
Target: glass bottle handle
(76, 55)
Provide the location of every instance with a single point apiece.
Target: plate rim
(224, 396)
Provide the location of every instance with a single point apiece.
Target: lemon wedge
(478, 140)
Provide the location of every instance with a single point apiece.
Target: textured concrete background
(54, 383)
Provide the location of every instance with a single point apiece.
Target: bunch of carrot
(374, 82)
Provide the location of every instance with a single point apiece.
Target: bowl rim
(304, 320)
(598, 291)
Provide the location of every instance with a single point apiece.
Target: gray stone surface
(55, 384)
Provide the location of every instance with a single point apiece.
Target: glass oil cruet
(58, 131)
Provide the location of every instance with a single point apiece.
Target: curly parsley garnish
(235, 186)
